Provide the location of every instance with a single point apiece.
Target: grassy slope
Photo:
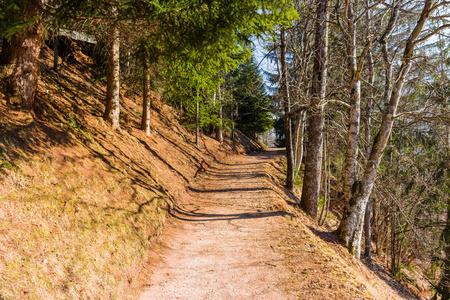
(321, 267)
(80, 203)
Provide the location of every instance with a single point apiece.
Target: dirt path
(223, 246)
(232, 239)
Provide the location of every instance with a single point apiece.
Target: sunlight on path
(224, 246)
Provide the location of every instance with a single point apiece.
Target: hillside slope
(80, 203)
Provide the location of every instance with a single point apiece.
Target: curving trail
(223, 244)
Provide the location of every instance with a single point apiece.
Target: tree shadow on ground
(331, 237)
(193, 216)
(229, 190)
(388, 279)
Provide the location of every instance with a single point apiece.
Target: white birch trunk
(355, 110)
(145, 122)
(112, 109)
(350, 228)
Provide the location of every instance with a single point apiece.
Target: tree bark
(313, 159)
(219, 130)
(145, 123)
(295, 136)
(233, 139)
(197, 121)
(20, 56)
(387, 94)
(367, 227)
(350, 228)
(300, 139)
(385, 53)
(112, 109)
(355, 110)
(287, 113)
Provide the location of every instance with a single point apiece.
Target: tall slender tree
(112, 107)
(287, 111)
(313, 159)
(350, 228)
(146, 105)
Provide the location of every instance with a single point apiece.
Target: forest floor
(236, 237)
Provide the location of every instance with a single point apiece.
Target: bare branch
(368, 9)
(431, 34)
(338, 102)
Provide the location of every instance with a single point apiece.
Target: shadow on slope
(80, 203)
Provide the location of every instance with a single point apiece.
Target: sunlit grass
(70, 235)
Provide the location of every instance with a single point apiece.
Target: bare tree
(350, 228)
(313, 159)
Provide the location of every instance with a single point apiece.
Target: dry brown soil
(234, 237)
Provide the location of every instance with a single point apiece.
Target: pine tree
(253, 102)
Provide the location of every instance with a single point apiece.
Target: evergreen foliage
(279, 132)
(11, 19)
(254, 109)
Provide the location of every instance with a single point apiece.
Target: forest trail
(236, 237)
(223, 243)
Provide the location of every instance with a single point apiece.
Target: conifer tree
(253, 102)
(21, 28)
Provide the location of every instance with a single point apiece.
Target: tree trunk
(233, 139)
(20, 56)
(112, 109)
(387, 94)
(295, 136)
(367, 229)
(197, 122)
(386, 59)
(300, 138)
(313, 159)
(219, 132)
(287, 113)
(355, 110)
(350, 228)
(145, 123)
(393, 267)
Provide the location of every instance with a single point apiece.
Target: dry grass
(70, 229)
(79, 203)
(321, 267)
